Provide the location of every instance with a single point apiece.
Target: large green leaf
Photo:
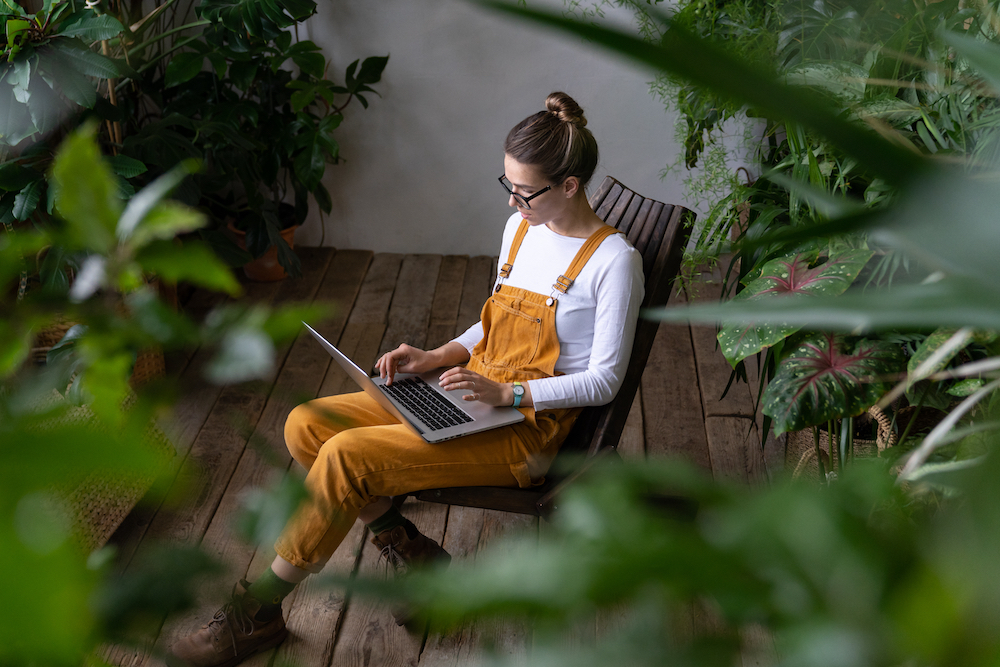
(193, 262)
(90, 27)
(183, 67)
(784, 277)
(27, 199)
(950, 302)
(821, 381)
(88, 62)
(85, 192)
(61, 74)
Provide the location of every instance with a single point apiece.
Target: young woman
(555, 335)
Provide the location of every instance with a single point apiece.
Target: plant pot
(266, 267)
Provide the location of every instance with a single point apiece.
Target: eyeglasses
(520, 199)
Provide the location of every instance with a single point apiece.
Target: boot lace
(232, 615)
(393, 559)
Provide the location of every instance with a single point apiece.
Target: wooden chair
(659, 232)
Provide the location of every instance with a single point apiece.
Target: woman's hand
(404, 359)
(483, 389)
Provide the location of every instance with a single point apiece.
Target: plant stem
(819, 455)
(168, 33)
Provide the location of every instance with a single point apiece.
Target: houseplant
(266, 131)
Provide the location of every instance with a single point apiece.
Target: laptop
(417, 401)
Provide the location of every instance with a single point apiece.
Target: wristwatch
(518, 393)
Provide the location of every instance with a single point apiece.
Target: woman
(555, 336)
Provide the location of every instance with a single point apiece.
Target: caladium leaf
(820, 381)
(784, 276)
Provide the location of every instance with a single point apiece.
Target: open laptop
(417, 401)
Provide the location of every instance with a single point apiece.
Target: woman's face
(526, 180)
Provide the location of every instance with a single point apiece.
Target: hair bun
(565, 108)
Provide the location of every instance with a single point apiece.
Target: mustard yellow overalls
(356, 452)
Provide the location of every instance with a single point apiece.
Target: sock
(270, 590)
(390, 520)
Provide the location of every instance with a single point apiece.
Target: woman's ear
(570, 186)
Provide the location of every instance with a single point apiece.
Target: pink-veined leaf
(821, 380)
(785, 276)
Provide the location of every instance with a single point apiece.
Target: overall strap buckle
(562, 284)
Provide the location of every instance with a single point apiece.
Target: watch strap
(517, 394)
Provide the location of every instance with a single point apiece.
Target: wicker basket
(800, 450)
(149, 363)
(102, 500)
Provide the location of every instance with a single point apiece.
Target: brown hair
(555, 141)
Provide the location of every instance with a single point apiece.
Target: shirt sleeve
(619, 295)
(471, 336)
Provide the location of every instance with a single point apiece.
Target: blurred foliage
(58, 605)
(861, 573)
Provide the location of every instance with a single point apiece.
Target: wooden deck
(230, 438)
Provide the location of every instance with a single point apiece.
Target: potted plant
(264, 130)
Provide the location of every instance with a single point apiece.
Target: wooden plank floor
(230, 438)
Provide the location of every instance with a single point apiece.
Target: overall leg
(359, 465)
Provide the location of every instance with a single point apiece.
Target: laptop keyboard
(433, 409)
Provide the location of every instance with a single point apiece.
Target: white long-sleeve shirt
(595, 319)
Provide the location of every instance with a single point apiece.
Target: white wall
(423, 160)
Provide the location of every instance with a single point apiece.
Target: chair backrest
(659, 232)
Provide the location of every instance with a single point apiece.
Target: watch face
(518, 390)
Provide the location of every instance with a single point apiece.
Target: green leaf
(150, 196)
(90, 27)
(165, 221)
(966, 387)
(88, 62)
(85, 192)
(64, 78)
(371, 69)
(126, 166)
(322, 196)
(310, 165)
(193, 262)
(183, 67)
(819, 381)
(784, 277)
(983, 55)
(931, 345)
(313, 64)
(950, 302)
(13, 176)
(27, 199)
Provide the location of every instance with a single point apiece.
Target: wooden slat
(671, 402)
(410, 312)
(366, 324)
(641, 224)
(632, 444)
(597, 198)
(730, 440)
(713, 369)
(638, 210)
(447, 300)
(620, 207)
(608, 203)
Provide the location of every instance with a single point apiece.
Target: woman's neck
(578, 220)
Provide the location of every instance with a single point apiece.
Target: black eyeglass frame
(521, 199)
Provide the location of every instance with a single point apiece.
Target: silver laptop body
(480, 417)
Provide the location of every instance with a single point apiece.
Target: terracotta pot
(266, 267)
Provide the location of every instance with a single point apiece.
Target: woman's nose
(511, 201)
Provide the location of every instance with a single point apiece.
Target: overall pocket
(514, 334)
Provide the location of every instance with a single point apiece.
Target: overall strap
(565, 281)
(522, 231)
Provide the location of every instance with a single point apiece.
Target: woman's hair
(555, 141)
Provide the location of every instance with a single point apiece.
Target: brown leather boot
(233, 635)
(403, 553)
